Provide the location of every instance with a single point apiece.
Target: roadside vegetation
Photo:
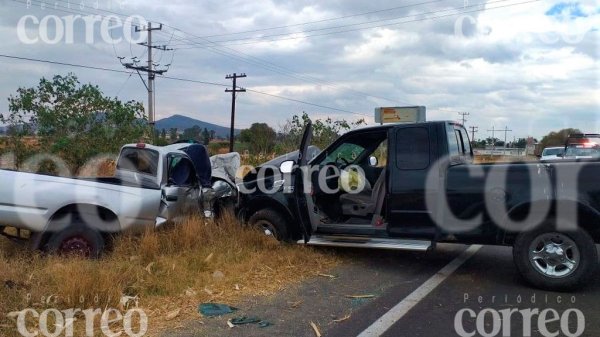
(169, 272)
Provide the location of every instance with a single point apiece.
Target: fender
(587, 216)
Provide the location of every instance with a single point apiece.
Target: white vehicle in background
(582, 146)
(77, 215)
(552, 153)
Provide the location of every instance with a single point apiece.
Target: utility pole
(506, 130)
(493, 130)
(463, 116)
(233, 91)
(149, 69)
(473, 130)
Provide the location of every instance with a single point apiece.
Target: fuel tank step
(368, 242)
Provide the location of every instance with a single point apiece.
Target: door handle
(172, 198)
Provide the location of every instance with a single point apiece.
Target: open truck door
(301, 181)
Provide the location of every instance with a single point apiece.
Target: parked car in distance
(552, 153)
(77, 215)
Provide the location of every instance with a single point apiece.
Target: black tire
(530, 265)
(273, 221)
(76, 240)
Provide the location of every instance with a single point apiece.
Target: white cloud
(514, 66)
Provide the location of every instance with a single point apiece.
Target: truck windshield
(580, 151)
(138, 160)
(347, 152)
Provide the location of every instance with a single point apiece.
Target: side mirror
(373, 161)
(287, 166)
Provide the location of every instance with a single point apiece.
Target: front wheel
(271, 223)
(555, 261)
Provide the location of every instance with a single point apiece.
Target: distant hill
(183, 122)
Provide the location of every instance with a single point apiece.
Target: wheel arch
(60, 219)
(260, 203)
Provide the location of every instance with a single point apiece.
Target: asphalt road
(485, 289)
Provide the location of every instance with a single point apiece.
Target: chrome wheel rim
(554, 255)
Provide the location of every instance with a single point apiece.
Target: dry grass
(173, 269)
(485, 159)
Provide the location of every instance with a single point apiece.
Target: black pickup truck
(410, 186)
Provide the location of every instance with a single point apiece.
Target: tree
(521, 143)
(324, 131)
(173, 134)
(192, 133)
(557, 138)
(75, 121)
(205, 136)
(480, 143)
(260, 137)
(213, 134)
(163, 134)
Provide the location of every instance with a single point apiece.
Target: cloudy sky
(531, 66)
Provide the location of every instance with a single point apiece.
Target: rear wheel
(556, 261)
(76, 240)
(271, 223)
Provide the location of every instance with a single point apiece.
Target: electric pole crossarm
(149, 69)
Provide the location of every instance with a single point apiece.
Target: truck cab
(366, 189)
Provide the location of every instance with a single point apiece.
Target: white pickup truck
(77, 215)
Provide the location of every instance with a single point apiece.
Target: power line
(246, 58)
(182, 80)
(323, 20)
(263, 38)
(308, 103)
(256, 61)
(279, 69)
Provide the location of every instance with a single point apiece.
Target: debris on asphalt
(264, 324)
(327, 275)
(358, 300)
(244, 320)
(342, 319)
(360, 296)
(294, 305)
(315, 329)
(248, 320)
(215, 309)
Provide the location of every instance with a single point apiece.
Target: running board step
(366, 242)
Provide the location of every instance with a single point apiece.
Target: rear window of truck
(412, 149)
(137, 160)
